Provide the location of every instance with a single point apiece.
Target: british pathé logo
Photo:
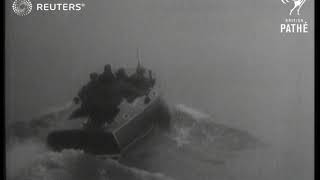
(297, 4)
(22, 7)
(294, 23)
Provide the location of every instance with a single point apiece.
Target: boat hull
(112, 142)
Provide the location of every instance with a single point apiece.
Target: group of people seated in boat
(104, 92)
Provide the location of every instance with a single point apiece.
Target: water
(224, 58)
(195, 148)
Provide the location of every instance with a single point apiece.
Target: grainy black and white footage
(241, 94)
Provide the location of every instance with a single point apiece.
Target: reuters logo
(22, 7)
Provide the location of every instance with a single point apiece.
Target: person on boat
(93, 76)
(104, 92)
(107, 75)
(121, 75)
